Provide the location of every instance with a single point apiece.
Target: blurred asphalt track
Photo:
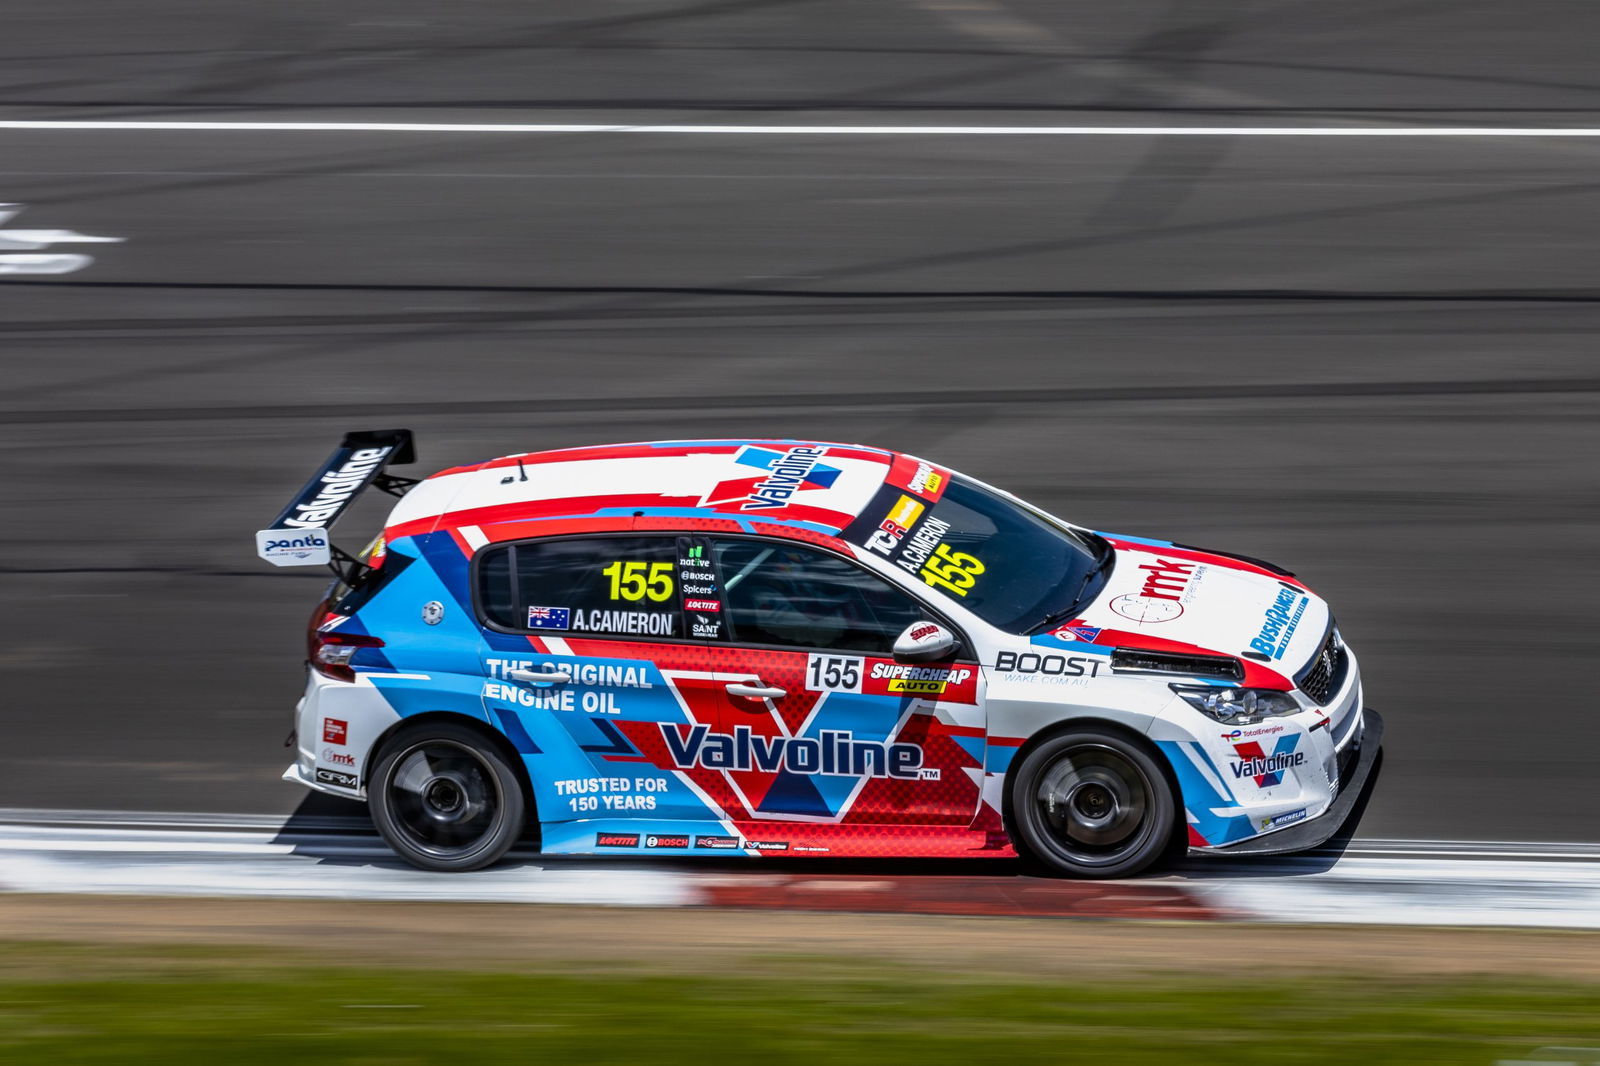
(1369, 360)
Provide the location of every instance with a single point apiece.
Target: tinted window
(1007, 564)
(616, 586)
(786, 594)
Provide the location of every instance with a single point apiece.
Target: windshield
(1003, 561)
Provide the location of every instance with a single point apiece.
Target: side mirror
(925, 642)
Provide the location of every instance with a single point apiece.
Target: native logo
(1267, 769)
(782, 475)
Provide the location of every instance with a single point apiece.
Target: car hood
(1212, 602)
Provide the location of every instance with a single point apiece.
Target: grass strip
(132, 1005)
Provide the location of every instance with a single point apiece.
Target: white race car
(762, 647)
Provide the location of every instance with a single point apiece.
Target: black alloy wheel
(445, 799)
(1092, 804)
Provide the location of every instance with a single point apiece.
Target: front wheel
(1092, 804)
(445, 799)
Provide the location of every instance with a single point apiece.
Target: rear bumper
(1354, 778)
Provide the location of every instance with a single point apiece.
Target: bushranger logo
(835, 753)
(1167, 579)
(337, 487)
(1267, 769)
(1278, 628)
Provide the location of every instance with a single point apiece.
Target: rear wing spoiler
(299, 535)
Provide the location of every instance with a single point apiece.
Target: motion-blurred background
(1368, 359)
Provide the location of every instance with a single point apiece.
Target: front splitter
(1330, 823)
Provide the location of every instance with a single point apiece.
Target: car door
(587, 666)
(823, 724)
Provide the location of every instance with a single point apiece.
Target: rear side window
(610, 586)
(794, 596)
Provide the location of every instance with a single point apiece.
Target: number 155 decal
(833, 673)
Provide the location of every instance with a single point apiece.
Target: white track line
(832, 131)
(1418, 882)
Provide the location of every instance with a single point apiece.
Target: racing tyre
(1092, 804)
(445, 799)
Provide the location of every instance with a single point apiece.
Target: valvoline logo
(783, 475)
(1267, 769)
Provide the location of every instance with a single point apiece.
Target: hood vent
(1138, 661)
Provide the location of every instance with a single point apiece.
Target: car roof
(816, 486)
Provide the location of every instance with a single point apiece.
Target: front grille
(1325, 675)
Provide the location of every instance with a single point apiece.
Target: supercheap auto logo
(783, 474)
(1267, 769)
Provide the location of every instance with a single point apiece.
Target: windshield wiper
(1102, 566)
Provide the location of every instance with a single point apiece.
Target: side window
(612, 586)
(788, 594)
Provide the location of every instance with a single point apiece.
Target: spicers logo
(1267, 769)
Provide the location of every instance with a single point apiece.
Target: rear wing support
(299, 536)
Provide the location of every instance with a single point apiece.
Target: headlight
(1237, 706)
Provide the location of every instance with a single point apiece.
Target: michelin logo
(293, 547)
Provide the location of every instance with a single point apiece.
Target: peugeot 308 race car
(796, 648)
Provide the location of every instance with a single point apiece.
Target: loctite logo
(616, 840)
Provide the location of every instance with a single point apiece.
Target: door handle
(555, 677)
(755, 690)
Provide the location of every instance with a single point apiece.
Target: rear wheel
(1091, 803)
(445, 799)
